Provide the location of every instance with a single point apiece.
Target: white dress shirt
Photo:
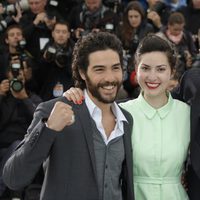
(96, 114)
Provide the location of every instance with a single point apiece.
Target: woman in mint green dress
(161, 132)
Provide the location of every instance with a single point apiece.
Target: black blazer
(189, 92)
(69, 154)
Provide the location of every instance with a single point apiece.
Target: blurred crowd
(36, 44)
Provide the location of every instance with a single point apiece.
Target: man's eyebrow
(114, 65)
(117, 64)
(97, 66)
(161, 65)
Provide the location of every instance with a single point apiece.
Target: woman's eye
(161, 69)
(144, 68)
(117, 68)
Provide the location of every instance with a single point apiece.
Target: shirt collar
(92, 107)
(150, 112)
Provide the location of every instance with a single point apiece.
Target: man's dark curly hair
(91, 43)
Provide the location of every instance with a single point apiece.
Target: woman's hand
(74, 94)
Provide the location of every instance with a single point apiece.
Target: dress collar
(150, 112)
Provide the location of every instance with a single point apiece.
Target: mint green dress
(160, 141)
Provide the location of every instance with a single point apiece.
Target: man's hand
(4, 86)
(78, 32)
(62, 115)
(50, 22)
(188, 59)
(15, 59)
(155, 18)
(1, 9)
(40, 18)
(18, 16)
(184, 181)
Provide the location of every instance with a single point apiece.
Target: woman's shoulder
(180, 105)
(128, 104)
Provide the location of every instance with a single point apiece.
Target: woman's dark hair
(88, 44)
(127, 28)
(152, 43)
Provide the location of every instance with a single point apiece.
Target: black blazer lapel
(84, 116)
(128, 150)
(128, 188)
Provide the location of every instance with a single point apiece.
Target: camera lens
(16, 85)
(50, 54)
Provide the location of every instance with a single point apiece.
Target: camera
(84, 33)
(16, 84)
(51, 8)
(58, 54)
(109, 27)
(159, 7)
(5, 23)
(11, 8)
(21, 52)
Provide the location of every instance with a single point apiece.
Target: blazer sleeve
(21, 168)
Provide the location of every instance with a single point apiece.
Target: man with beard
(86, 148)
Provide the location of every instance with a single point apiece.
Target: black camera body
(11, 8)
(4, 23)
(58, 54)
(159, 7)
(16, 84)
(51, 7)
(21, 52)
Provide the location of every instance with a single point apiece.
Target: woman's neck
(156, 102)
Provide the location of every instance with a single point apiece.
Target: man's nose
(109, 75)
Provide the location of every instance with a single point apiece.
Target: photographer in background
(181, 38)
(92, 16)
(15, 51)
(11, 13)
(17, 105)
(192, 14)
(157, 13)
(37, 24)
(56, 63)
